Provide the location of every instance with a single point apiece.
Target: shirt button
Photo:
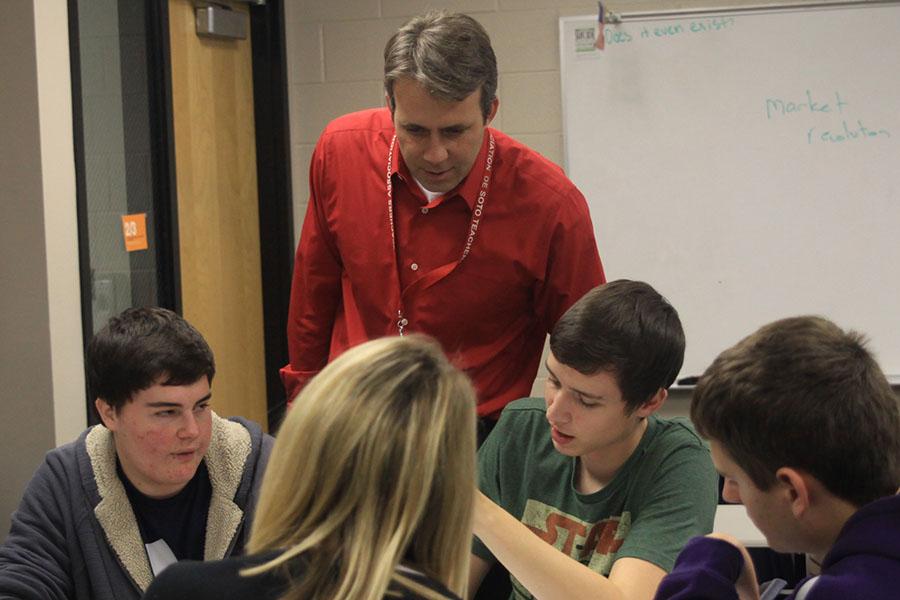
(414, 267)
(404, 322)
(424, 210)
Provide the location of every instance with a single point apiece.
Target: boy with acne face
(587, 493)
(805, 430)
(162, 479)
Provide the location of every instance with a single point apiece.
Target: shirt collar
(469, 187)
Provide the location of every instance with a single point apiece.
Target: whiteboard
(746, 165)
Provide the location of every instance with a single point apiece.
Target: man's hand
(746, 586)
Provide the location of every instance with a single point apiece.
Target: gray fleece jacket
(75, 536)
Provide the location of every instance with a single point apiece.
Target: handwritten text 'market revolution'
(849, 129)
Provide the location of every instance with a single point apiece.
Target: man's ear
(495, 104)
(107, 413)
(653, 404)
(797, 489)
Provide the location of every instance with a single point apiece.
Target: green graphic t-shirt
(663, 495)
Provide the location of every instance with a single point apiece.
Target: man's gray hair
(449, 54)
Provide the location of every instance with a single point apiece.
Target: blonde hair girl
(371, 480)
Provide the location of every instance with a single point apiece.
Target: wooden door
(218, 220)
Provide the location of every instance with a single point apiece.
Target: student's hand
(483, 508)
(548, 573)
(486, 514)
(746, 585)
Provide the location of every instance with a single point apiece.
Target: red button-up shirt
(534, 255)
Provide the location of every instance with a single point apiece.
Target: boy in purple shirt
(805, 429)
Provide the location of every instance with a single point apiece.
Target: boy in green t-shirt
(587, 493)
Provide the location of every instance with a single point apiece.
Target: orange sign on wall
(134, 229)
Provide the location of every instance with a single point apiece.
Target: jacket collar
(873, 529)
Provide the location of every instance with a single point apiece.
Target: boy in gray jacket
(162, 479)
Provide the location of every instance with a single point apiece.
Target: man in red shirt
(423, 218)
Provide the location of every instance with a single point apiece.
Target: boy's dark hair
(803, 393)
(627, 328)
(138, 347)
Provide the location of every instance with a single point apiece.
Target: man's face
(161, 435)
(587, 414)
(439, 140)
(766, 509)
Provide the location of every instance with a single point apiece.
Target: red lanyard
(471, 232)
